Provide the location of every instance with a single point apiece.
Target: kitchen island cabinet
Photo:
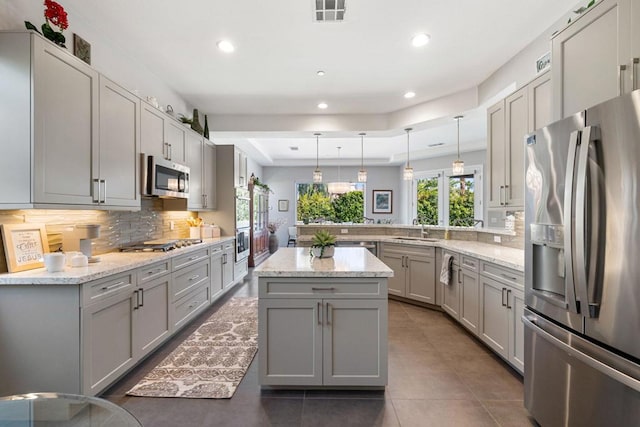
(322, 322)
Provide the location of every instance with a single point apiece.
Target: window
(314, 203)
(449, 200)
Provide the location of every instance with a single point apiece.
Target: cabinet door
(395, 261)
(421, 279)
(119, 145)
(107, 341)
(65, 126)
(216, 273)
(153, 141)
(195, 162)
(494, 320)
(355, 342)
(635, 45)
(240, 168)
(587, 56)
(209, 176)
(496, 154)
(517, 126)
(176, 138)
(539, 97)
(470, 300)
(290, 341)
(153, 323)
(228, 266)
(451, 294)
(516, 328)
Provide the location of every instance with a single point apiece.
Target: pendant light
(317, 174)
(408, 170)
(362, 173)
(458, 164)
(339, 187)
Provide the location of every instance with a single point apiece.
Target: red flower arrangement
(54, 14)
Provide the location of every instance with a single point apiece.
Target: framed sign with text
(24, 246)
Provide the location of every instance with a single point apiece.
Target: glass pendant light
(362, 173)
(339, 187)
(317, 174)
(458, 164)
(408, 170)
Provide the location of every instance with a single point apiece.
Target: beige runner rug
(212, 361)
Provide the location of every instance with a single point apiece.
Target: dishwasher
(367, 244)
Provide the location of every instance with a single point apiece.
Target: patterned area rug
(212, 361)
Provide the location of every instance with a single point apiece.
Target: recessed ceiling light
(323, 106)
(409, 95)
(293, 148)
(420, 39)
(320, 73)
(226, 46)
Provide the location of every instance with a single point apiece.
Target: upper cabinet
(508, 121)
(596, 57)
(201, 159)
(161, 135)
(240, 169)
(70, 136)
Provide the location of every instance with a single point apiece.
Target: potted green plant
(323, 244)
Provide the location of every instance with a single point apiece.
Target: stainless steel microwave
(164, 178)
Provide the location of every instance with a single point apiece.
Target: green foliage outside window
(348, 207)
(461, 201)
(314, 202)
(428, 201)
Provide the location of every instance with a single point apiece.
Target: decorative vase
(195, 124)
(206, 127)
(273, 243)
(318, 251)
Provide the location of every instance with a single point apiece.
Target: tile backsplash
(117, 228)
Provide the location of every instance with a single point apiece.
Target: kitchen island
(323, 322)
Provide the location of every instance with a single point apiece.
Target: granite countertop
(347, 262)
(110, 263)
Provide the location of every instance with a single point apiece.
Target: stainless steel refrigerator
(582, 268)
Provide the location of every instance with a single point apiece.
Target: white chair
(293, 236)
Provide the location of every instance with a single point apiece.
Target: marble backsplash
(117, 228)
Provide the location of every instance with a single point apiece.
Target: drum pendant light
(458, 165)
(317, 174)
(362, 173)
(338, 187)
(407, 175)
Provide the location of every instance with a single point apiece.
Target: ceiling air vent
(437, 144)
(329, 10)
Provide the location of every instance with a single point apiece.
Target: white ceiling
(368, 59)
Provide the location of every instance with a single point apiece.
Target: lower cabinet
(500, 322)
(451, 292)
(469, 293)
(414, 271)
(217, 281)
(322, 340)
(190, 291)
(228, 255)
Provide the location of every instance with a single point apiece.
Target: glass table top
(58, 409)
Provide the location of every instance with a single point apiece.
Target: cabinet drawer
(409, 249)
(187, 307)
(241, 268)
(189, 278)
(468, 263)
(103, 288)
(272, 287)
(214, 250)
(502, 274)
(188, 259)
(150, 272)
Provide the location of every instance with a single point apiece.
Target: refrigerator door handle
(529, 322)
(568, 223)
(587, 308)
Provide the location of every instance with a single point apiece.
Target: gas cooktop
(160, 245)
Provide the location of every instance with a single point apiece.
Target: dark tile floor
(439, 375)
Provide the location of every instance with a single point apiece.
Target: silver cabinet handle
(506, 276)
(329, 314)
(141, 293)
(323, 289)
(503, 292)
(459, 276)
(170, 151)
(621, 69)
(191, 258)
(104, 191)
(319, 313)
(115, 285)
(96, 190)
(508, 293)
(569, 197)
(135, 305)
(165, 150)
(506, 195)
(634, 73)
(192, 278)
(500, 195)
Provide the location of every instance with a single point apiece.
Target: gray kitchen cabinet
(469, 293)
(190, 286)
(496, 153)
(117, 169)
(162, 135)
(228, 264)
(595, 57)
(217, 280)
(451, 292)
(539, 97)
(240, 177)
(502, 301)
(209, 175)
(153, 322)
(414, 271)
(194, 148)
(318, 333)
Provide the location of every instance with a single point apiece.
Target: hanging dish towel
(445, 271)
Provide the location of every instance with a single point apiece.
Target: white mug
(79, 260)
(69, 255)
(54, 262)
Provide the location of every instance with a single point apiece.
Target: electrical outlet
(344, 230)
(172, 225)
(497, 239)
